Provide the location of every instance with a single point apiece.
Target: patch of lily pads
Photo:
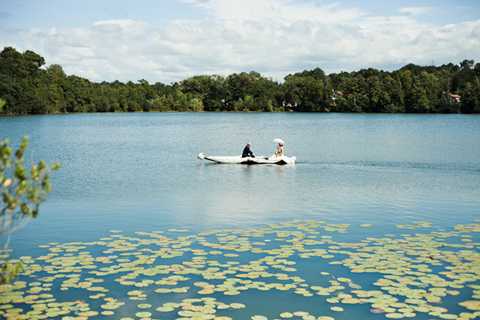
(173, 274)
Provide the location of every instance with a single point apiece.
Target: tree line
(27, 86)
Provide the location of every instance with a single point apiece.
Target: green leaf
(20, 172)
(21, 150)
(56, 166)
(22, 190)
(25, 209)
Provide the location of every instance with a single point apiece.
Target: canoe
(248, 160)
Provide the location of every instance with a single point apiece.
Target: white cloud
(272, 37)
(279, 10)
(415, 10)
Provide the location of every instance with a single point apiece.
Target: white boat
(249, 160)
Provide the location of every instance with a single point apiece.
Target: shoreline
(237, 112)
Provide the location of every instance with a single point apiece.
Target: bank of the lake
(27, 87)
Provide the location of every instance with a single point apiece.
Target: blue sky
(170, 40)
(61, 13)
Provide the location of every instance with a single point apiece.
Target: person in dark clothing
(247, 152)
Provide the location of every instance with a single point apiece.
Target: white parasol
(278, 140)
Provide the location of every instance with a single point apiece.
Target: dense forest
(27, 86)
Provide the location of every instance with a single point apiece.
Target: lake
(377, 208)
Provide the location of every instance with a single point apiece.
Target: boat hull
(248, 160)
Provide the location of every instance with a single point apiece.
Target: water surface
(139, 172)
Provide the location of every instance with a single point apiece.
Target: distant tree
(246, 103)
(27, 87)
(476, 69)
(471, 98)
(2, 104)
(467, 64)
(305, 92)
(210, 89)
(196, 105)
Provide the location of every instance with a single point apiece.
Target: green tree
(245, 104)
(471, 98)
(2, 104)
(28, 88)
(304, 92)
(210, 89)
(23, 189)
(420, 102)
(196, 105)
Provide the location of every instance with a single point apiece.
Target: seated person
(247, 152)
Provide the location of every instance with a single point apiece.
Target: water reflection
(137, 171)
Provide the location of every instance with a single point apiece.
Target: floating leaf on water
(473, 305)
(286, 315)
(143, 314)
(165, 309)
(404, 264)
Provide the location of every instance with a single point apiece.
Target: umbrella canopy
(278, 140)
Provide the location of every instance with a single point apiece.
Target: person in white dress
(280, 150)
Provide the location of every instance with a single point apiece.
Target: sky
(170, 40)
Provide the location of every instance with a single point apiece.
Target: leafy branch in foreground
(22, 190)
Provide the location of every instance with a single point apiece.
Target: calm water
(139, 172)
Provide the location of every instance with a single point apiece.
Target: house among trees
(454, 98)
(334, 96)
(289, 106)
